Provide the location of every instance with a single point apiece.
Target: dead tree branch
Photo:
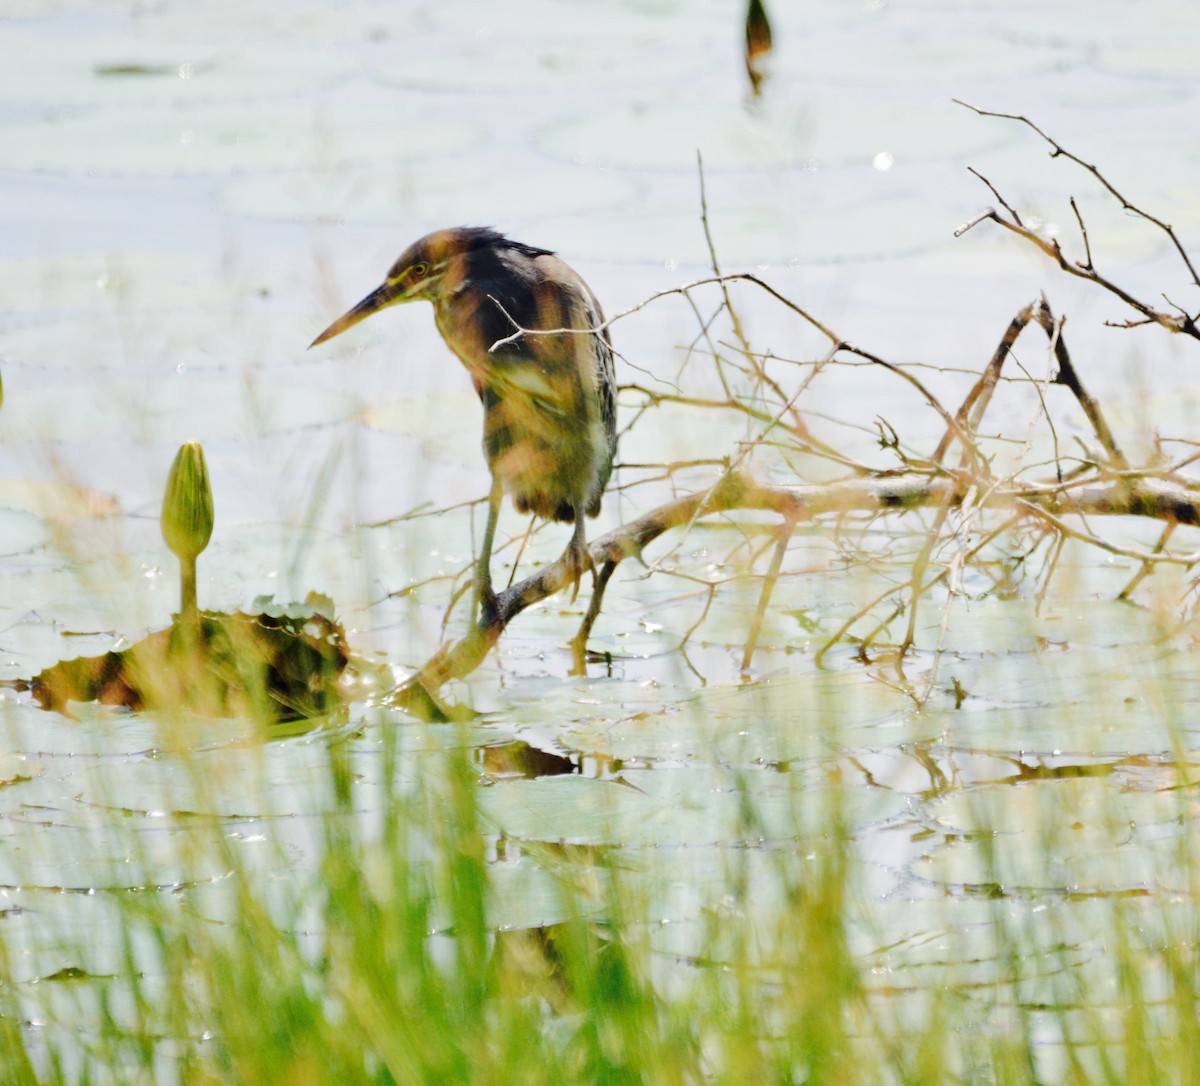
(797, 504)
(1101, 483)
(1179, 322)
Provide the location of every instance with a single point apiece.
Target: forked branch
(1179, 321)
(797, 504)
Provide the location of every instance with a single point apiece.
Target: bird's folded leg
(485, 598)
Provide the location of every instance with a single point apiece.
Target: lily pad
(1100, 623)
(483, 63)
(105, 70)
(109, 282)
(762, 229)
(44, 856)
(1067, 20)
(936, 51)
(267, 666)
(219, 139)
(257, 24)
(1027, 865)
(847, 129)
(1177, 56)
(677, 807)
(168, 410)
(166, 341)
(1019, 625)
(642, 20)
(1077, 835)
(977, 626)
(69, 745)
(1085, 812)
(771, 722)
(20, 531)
(1050, 730)
(1120, 685)
(421, 194)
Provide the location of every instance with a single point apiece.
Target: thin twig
(1180, 322)
(1126, 205)
(981, 391)
(1087, 248)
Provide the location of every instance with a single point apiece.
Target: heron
(532, 337)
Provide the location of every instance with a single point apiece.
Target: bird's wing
(605, 371)
(526, 379)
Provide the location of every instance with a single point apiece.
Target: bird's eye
(419, 270)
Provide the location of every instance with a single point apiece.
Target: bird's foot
(579, 561)
(489, 606)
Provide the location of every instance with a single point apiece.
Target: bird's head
(432, 268)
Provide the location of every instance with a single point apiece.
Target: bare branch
(982, 391)
(1148, 567)
(1060, 151)
(1068, 377)
(1180, 322)
(975, 220)
(1142, 497)
(995, 192)
(1087, 248)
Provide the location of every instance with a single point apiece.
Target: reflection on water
(518, 759)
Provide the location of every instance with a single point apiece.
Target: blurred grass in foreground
(378, 958)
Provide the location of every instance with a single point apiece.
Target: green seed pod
(187, 511)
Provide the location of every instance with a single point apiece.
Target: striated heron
(549, 400)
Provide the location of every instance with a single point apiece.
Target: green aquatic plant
(187, 517)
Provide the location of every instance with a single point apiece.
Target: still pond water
(190, 191)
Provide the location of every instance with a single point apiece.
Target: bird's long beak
(379, 298)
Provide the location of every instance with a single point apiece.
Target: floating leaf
(673, 808)
(884, 221)
(219, 139)
(1081, 835)
(160, 410)
(97, 70)
(232, 665)
(549, 64)
(422, 193)
(19, 531)
(103, 284)
(849, 128)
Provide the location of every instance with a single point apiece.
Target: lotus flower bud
(187, 511)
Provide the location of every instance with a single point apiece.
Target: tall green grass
(380, 955)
